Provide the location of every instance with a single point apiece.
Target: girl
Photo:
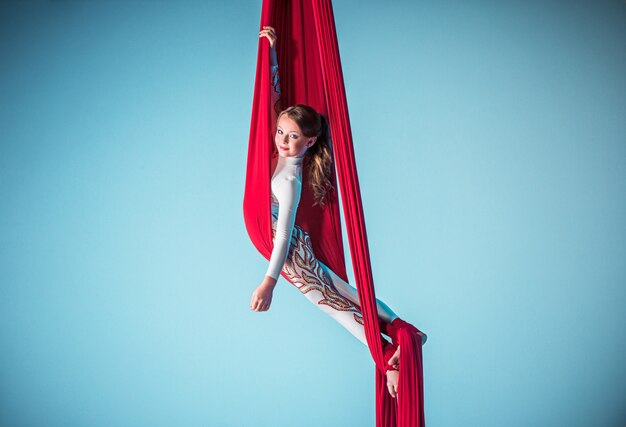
(303, 143)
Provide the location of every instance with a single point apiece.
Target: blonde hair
(318, 159)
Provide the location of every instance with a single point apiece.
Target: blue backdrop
(491, 144)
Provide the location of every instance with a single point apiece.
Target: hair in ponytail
(318, 159)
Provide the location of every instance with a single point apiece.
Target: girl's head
(303, 132)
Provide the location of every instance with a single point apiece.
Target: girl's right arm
(288, 193)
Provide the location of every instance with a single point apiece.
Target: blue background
(491, 144)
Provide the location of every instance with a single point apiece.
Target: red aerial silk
(310, 73)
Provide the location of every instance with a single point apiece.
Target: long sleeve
(276, 102)
(287, 190)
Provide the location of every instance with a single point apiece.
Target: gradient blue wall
(491, 144)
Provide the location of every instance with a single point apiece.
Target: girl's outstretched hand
(270, 33)
(262, 295)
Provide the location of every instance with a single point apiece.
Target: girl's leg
(384, 311)
(320, 285)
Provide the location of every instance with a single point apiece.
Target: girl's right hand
(262, 297)
(270, 33)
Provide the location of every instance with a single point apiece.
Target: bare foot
(392, 375)
(395, 359)
(392, 383)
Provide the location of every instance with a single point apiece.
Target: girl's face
(289, 139)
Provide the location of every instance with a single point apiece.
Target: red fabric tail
(410, 382)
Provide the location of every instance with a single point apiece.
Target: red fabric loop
(397, 324)
(388, 351)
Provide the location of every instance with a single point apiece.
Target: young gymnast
(303, 143)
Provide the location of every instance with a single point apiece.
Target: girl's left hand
(270, 33)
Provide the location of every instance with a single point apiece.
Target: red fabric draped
(310, 73)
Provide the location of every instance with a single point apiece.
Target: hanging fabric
(310, 70)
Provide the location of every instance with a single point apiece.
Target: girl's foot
(395, 359)
(423, 336)
(392, 383)
(392, 375)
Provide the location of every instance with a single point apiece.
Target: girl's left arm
(276, 102)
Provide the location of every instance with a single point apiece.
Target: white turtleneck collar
(292, 160)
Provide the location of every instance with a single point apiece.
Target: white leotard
(286, 189)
